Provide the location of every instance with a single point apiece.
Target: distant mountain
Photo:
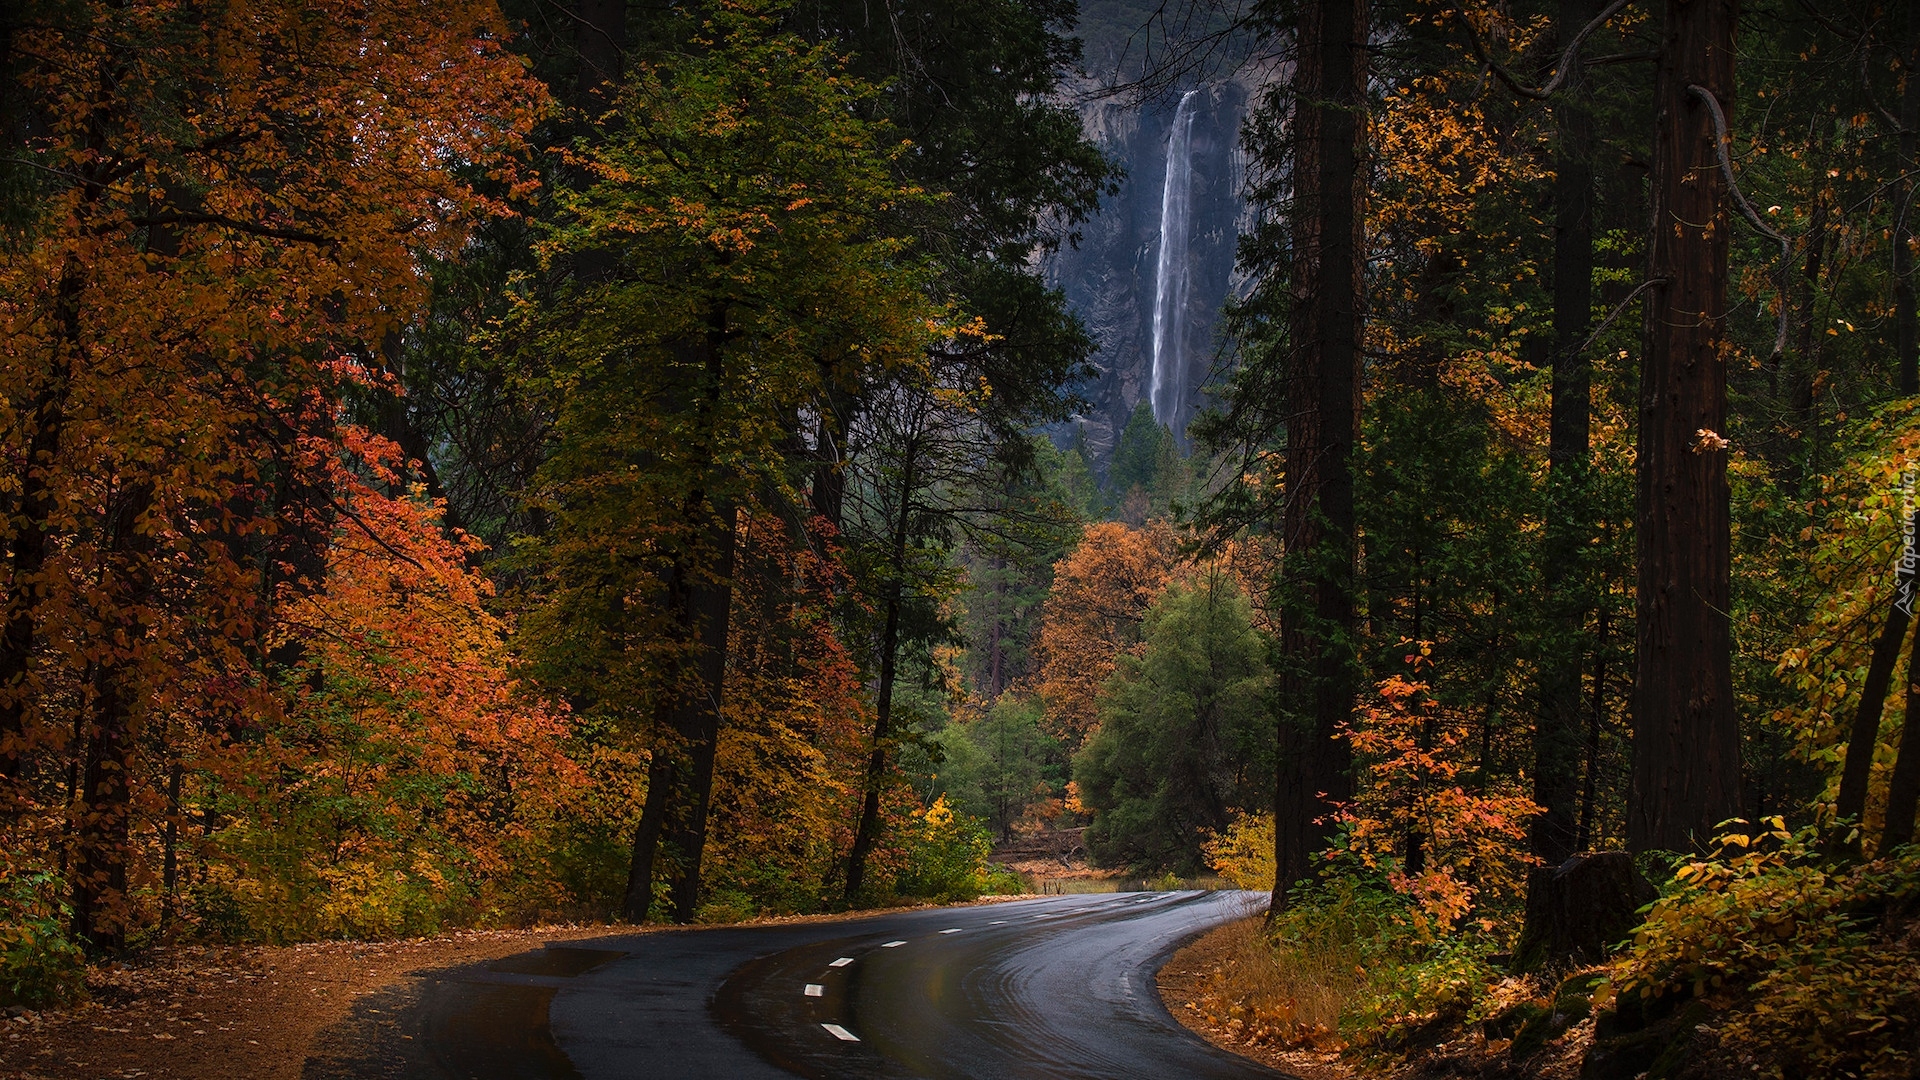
(1118, 278)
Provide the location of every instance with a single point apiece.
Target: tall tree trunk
(102, 812)
(711, 604)
(18, 628)
(31, 542)
(1596, 719)
(170, 840)
(1903, 787)
(673, 819)
(828, 493)
(1804, 364)
(1686, 761)
(1554, 832)
(868, 831)
(996, 673)
(699, 600)
(1851, 803)
(1317, 621)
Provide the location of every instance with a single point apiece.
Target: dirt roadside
(233, 1012)
(1190, 988)
(1197, 990)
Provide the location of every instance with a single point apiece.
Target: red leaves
(1422, 787)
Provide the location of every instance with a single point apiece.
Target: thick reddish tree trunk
(1323, 386)
(1686, 739)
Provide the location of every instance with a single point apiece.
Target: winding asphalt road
(1057, 986)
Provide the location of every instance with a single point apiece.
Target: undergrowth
(1773, 958)
(1811, 965)
(40, 965)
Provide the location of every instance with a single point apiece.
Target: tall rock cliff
(1159, 255)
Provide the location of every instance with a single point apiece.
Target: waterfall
(1169, 390)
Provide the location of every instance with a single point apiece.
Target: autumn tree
(1183, 745)
(412, 778)
(1417, 778)
(735, 201)
(934, 471)
(997, 764)
(175, 325)
(1093, 616)
(790, 750)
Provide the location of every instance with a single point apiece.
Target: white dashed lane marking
(815, 990)
(842, 962)
(893, 944)
(955, 930)
(841, 1033)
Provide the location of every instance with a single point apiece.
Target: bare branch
(1618, 310)
(1622, 58)
(1721, 141)
(249, 227)
(1567, 58)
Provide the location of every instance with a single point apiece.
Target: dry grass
(1278, 1005)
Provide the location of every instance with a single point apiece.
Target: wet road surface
(1056, 986)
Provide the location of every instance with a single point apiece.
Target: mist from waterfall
(1168, 392)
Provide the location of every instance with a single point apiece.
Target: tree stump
(1578, 911)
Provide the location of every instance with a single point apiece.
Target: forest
(475, 462)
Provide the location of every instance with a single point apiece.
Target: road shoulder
(1192, 988)
(233, 1012)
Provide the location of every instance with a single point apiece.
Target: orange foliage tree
(411, 775)
(227, 198)
(1425, 810)
(787, 768)
(1094, 614)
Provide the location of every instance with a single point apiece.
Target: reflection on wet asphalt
(1058, 986)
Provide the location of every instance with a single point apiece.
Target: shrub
(999, 880)
(1243, 854)
(40, 964)
(945, 855)
(1818, 960)
(727, 906)
(1351, 962)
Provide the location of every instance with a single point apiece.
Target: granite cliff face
(1154, 267)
